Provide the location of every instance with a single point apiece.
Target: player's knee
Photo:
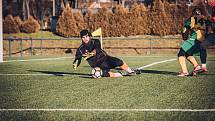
(120, 63)
(105, 73)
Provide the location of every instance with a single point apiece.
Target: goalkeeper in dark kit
(91, 51)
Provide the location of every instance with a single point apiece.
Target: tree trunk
(25, 9)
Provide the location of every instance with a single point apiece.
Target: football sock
(115, 74)
(126, 68)
(182, 62)
(129, 70)
(118, 75)
(204, 66)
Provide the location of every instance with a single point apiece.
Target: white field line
(43, 59)
(115, 110)
(155, 63)
(30, 74)
(146, 66)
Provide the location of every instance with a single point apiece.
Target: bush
(10, 25)
(100, 19)
(161, 19)
(18, 21)
(30, 26)
(69, 24)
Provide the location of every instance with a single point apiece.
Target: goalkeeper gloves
(75, 65)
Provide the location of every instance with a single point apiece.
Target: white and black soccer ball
(97, 72)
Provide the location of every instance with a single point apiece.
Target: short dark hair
(85, 32)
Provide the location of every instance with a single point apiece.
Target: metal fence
(138, 45)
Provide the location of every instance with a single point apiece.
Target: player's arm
(188, 23)
(76, 63)
(99, 51)
(185, 33)
(97, 44)
(77, 60)
(186, 30)
(209, 27)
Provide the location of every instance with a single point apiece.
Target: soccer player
(196, 25)
(210, 39)
(91, 51)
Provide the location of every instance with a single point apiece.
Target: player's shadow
(57, 73)
(168, 72)
(159, 72)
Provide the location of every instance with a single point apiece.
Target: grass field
(43, 90)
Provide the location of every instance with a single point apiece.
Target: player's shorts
(183, 53)
(110, 63)
(195, 50)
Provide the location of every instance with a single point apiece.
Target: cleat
(196, 70)
(181, 74)
(132, 73)
(137, 71)
(204, 70)
(194, 73)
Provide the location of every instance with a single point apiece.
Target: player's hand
(185, 33)
(185, 36)
(75, 66)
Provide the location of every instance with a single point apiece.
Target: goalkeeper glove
(75, 66)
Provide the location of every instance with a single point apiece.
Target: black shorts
(183, 53)
(195, 50)
(110, 63)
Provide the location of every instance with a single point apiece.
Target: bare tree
(25, 9)
(40, 9)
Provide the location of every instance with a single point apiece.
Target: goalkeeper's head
(85, 36)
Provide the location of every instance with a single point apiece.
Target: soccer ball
(97, 72)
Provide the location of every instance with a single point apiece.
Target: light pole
(53, 10)
(1, 33)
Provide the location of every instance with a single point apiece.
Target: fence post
(31, 46)
(10, 47)
(150, 42)
(41, 46)
(21, 47)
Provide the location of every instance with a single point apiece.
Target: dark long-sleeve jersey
(91, 52)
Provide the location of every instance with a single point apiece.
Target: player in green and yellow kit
(195, 29)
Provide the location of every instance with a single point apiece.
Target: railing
(150, 44)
